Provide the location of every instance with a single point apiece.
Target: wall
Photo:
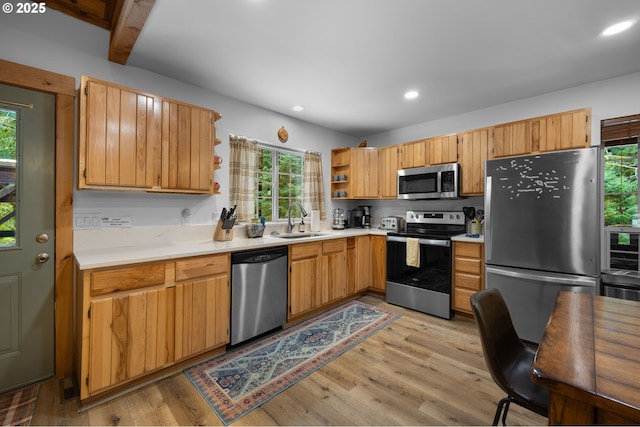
(80, 48)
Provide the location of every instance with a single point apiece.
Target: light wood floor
(420, 370)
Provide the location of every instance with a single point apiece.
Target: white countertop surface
(160, 249)
(468, 238)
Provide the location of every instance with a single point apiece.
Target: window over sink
(279, 182)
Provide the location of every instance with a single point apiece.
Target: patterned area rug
(16, 407)
(235, 383)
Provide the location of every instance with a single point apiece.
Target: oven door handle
(430, 242)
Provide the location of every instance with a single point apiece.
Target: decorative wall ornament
(283, 135)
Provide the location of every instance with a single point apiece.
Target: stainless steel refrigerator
(542, 232)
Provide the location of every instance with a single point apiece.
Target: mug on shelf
(217, 160)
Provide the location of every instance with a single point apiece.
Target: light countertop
(468, 238)
(161, 249)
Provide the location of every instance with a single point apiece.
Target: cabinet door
(187, 148)
(468, 273)
(129, 336)
(379, 263)
(562, 131)
(388, 167)
(202, 314)
(511, 139)
(119, 137)
(473, 151)
(334, 270)
(364, 180)
(305, 277)
(413, 154)
(443, 149)
(363, 265)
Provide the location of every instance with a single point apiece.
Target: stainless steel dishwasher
(258, 292)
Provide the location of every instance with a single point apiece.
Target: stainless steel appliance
(542, 222)
(621, 275)
(366, 216)
(355, 218)
(430, 182)
(258, 292)
(424, 287)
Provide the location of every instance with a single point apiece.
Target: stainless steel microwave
(429, 182)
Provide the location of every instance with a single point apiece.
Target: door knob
(42, 238)
(42, 257)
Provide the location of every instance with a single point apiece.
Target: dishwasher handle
(259, 256)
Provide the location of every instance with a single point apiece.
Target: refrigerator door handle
(487, 217)
(542, 277)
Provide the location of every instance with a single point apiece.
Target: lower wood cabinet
(137, 319)
(468, 273)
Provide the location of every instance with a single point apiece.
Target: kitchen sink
(298, 235)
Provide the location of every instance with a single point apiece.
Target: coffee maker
(355, 217)
(366, 216)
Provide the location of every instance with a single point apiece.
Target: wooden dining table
(589, 359)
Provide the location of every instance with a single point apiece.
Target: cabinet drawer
(205, 266)
(337, 245)
(470, 250)
(122, 279)
(462, 300)
(304, 250)
(470, 281)
(468, 265)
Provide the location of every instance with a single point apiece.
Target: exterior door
(27, 188)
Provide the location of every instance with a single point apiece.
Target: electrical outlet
(86, 221)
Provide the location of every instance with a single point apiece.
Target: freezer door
(531, 295)
(543, 212)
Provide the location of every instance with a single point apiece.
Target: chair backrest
(500, 342)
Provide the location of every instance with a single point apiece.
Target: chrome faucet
(289, 222)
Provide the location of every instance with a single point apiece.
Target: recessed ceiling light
(297, 108)
(412, 94)
(617, 28)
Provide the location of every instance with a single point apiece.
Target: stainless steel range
(419, 262)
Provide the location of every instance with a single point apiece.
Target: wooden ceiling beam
(128, 19)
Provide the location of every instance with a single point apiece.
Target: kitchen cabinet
(134, 320)
(413, 154)
(378, 263)
(388, 172)
(468, 273)
(443, 149)
(351, 176)
(511, 139)
(130, 140)
(564, 131)
(305, 277)
(473, 149)
(334, 270)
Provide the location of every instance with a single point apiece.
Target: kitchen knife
(223, 215)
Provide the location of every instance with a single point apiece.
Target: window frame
(275, 179)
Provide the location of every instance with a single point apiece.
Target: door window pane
(8, 169)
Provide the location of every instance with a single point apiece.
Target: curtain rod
(278, 147)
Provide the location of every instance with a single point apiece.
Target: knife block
(224, 231)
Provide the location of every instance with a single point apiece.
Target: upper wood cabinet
(388, 172)
(562, 131)
(511, 139)
(353, 167)
(187, 147)
(412, 154)
(472, 153)
(129, 140)
(443, 149)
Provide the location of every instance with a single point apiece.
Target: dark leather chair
(508, 358)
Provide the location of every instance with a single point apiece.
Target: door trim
(63, 87)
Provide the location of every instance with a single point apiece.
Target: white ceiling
(349, 62)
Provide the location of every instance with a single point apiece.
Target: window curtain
(313, 193)
(242, 176)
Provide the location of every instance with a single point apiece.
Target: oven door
(426, 288)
